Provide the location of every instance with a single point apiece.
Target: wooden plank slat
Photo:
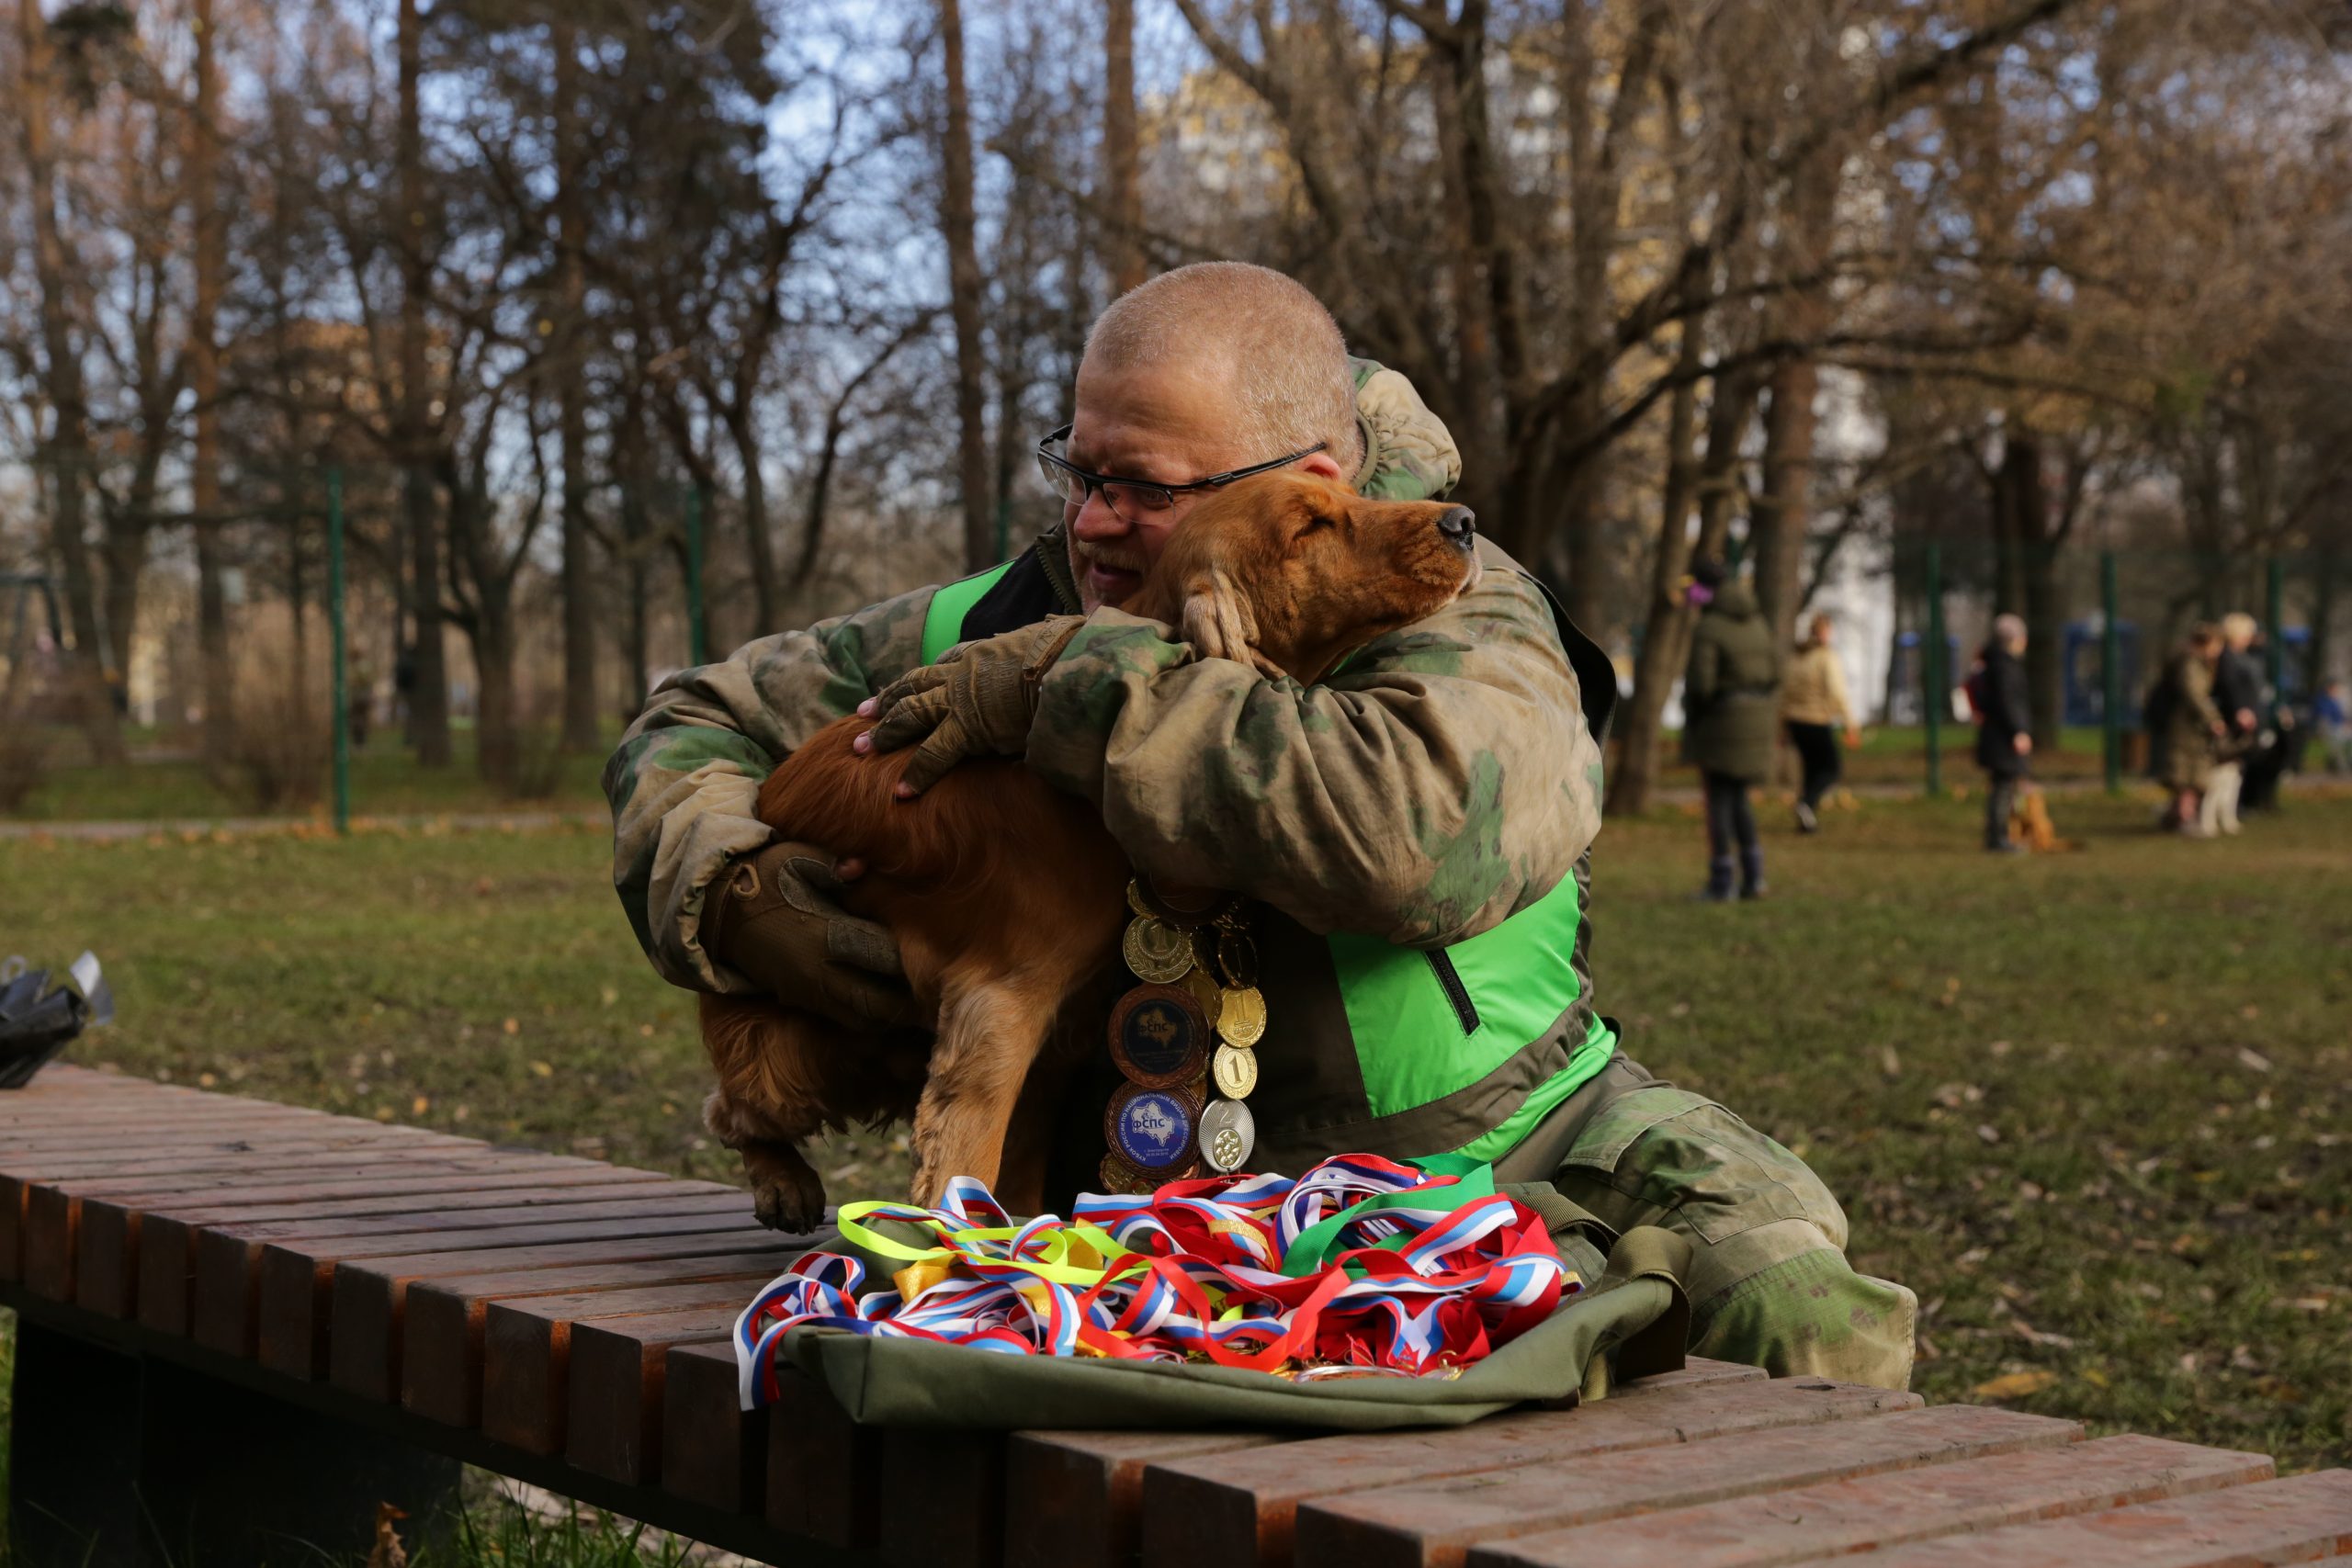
(712, 1453)
(105, 1262)
(1839, 1516)
(386, 1311)
(1075, 1498)
(198, 1164)
(165, 1271)
(530, 1353)
(52, 1212)
(2298, 1519)
(1696, 1371)
(824, 1477)
(1239, 1510)
(1432, 1524)
(1078, 1495)
(328, 1320)
(612, 1419)
(441, 1365)
(956, 1519)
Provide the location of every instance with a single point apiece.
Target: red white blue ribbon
(1361, 1267)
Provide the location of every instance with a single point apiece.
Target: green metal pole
(697, 631)
(2274, 624)
(339, 714)
(2110, 664)
(1935, 686)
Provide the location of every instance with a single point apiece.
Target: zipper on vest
(1449, 980)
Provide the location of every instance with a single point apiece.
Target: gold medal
(1117, 1176)
(1234, 1071)
(1205, 991)
(1155, 950)
(1135, 897)
(1241, 1015)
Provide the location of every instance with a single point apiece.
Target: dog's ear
(1218, 623)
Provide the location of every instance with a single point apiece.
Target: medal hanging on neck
(1184, 1038)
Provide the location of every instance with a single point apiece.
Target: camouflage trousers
(1769, 1281)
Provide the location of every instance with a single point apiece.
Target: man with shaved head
(1410, 835)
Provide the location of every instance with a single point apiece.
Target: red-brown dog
(1007, 896)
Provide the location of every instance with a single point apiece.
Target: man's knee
(1809, 1314)
(1769, 1281)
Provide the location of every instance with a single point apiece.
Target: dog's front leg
(787, 1192)
(991, 1032)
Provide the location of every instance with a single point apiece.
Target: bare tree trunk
(757, 539)
(1656, 665)
(67, 456)
(1784, 510)
(1477, 416)
(1122, 198)
(203, 377)
(429, 702)
(2036, 565)
(579, 729)
(956, 224)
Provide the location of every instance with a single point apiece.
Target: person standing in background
(2004, 728)
(1814, 708)
(1729, 691)
(2185, 727)
(2237, 692)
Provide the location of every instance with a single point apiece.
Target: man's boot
(1718, 889)
(1751, 872)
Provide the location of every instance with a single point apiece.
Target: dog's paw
(786, 1193)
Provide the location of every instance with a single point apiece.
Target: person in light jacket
(1814, 710)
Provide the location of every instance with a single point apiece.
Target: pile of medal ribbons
(1360, 1268)
(1194, 1021)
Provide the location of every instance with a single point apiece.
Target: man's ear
(1217, 621)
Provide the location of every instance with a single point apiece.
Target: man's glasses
(1134, 498)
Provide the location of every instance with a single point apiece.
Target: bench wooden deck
(243, 1282)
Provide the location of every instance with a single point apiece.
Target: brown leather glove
(977, 701)
(773, 918)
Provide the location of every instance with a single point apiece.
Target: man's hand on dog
(773, 918)
(977, 701)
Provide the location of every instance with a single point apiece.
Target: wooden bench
(267, 1319)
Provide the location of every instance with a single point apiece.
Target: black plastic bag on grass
(39, 1019)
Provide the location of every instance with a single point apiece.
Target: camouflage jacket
(1442, 781)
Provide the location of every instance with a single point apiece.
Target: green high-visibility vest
(1497, 1023)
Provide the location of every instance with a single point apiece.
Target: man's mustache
(1112, 560)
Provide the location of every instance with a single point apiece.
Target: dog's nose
(1458, 523)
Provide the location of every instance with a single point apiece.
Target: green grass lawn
(2096, 1108)
(386, 782)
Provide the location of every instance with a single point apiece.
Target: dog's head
(1288, 572)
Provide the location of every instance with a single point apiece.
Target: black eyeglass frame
(1050, 464)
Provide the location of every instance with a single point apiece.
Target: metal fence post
(1003, 527)
(1935, 686)
(339, 713)
(697, 632)
(2110, 664)
(2273, 626)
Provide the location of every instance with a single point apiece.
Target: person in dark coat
(1731, 704)
(2004, 728)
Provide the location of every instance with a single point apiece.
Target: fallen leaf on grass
(2015, 1385)
(544, 1069)
(2253, 1060)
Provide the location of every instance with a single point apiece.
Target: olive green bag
(1631, 1320)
